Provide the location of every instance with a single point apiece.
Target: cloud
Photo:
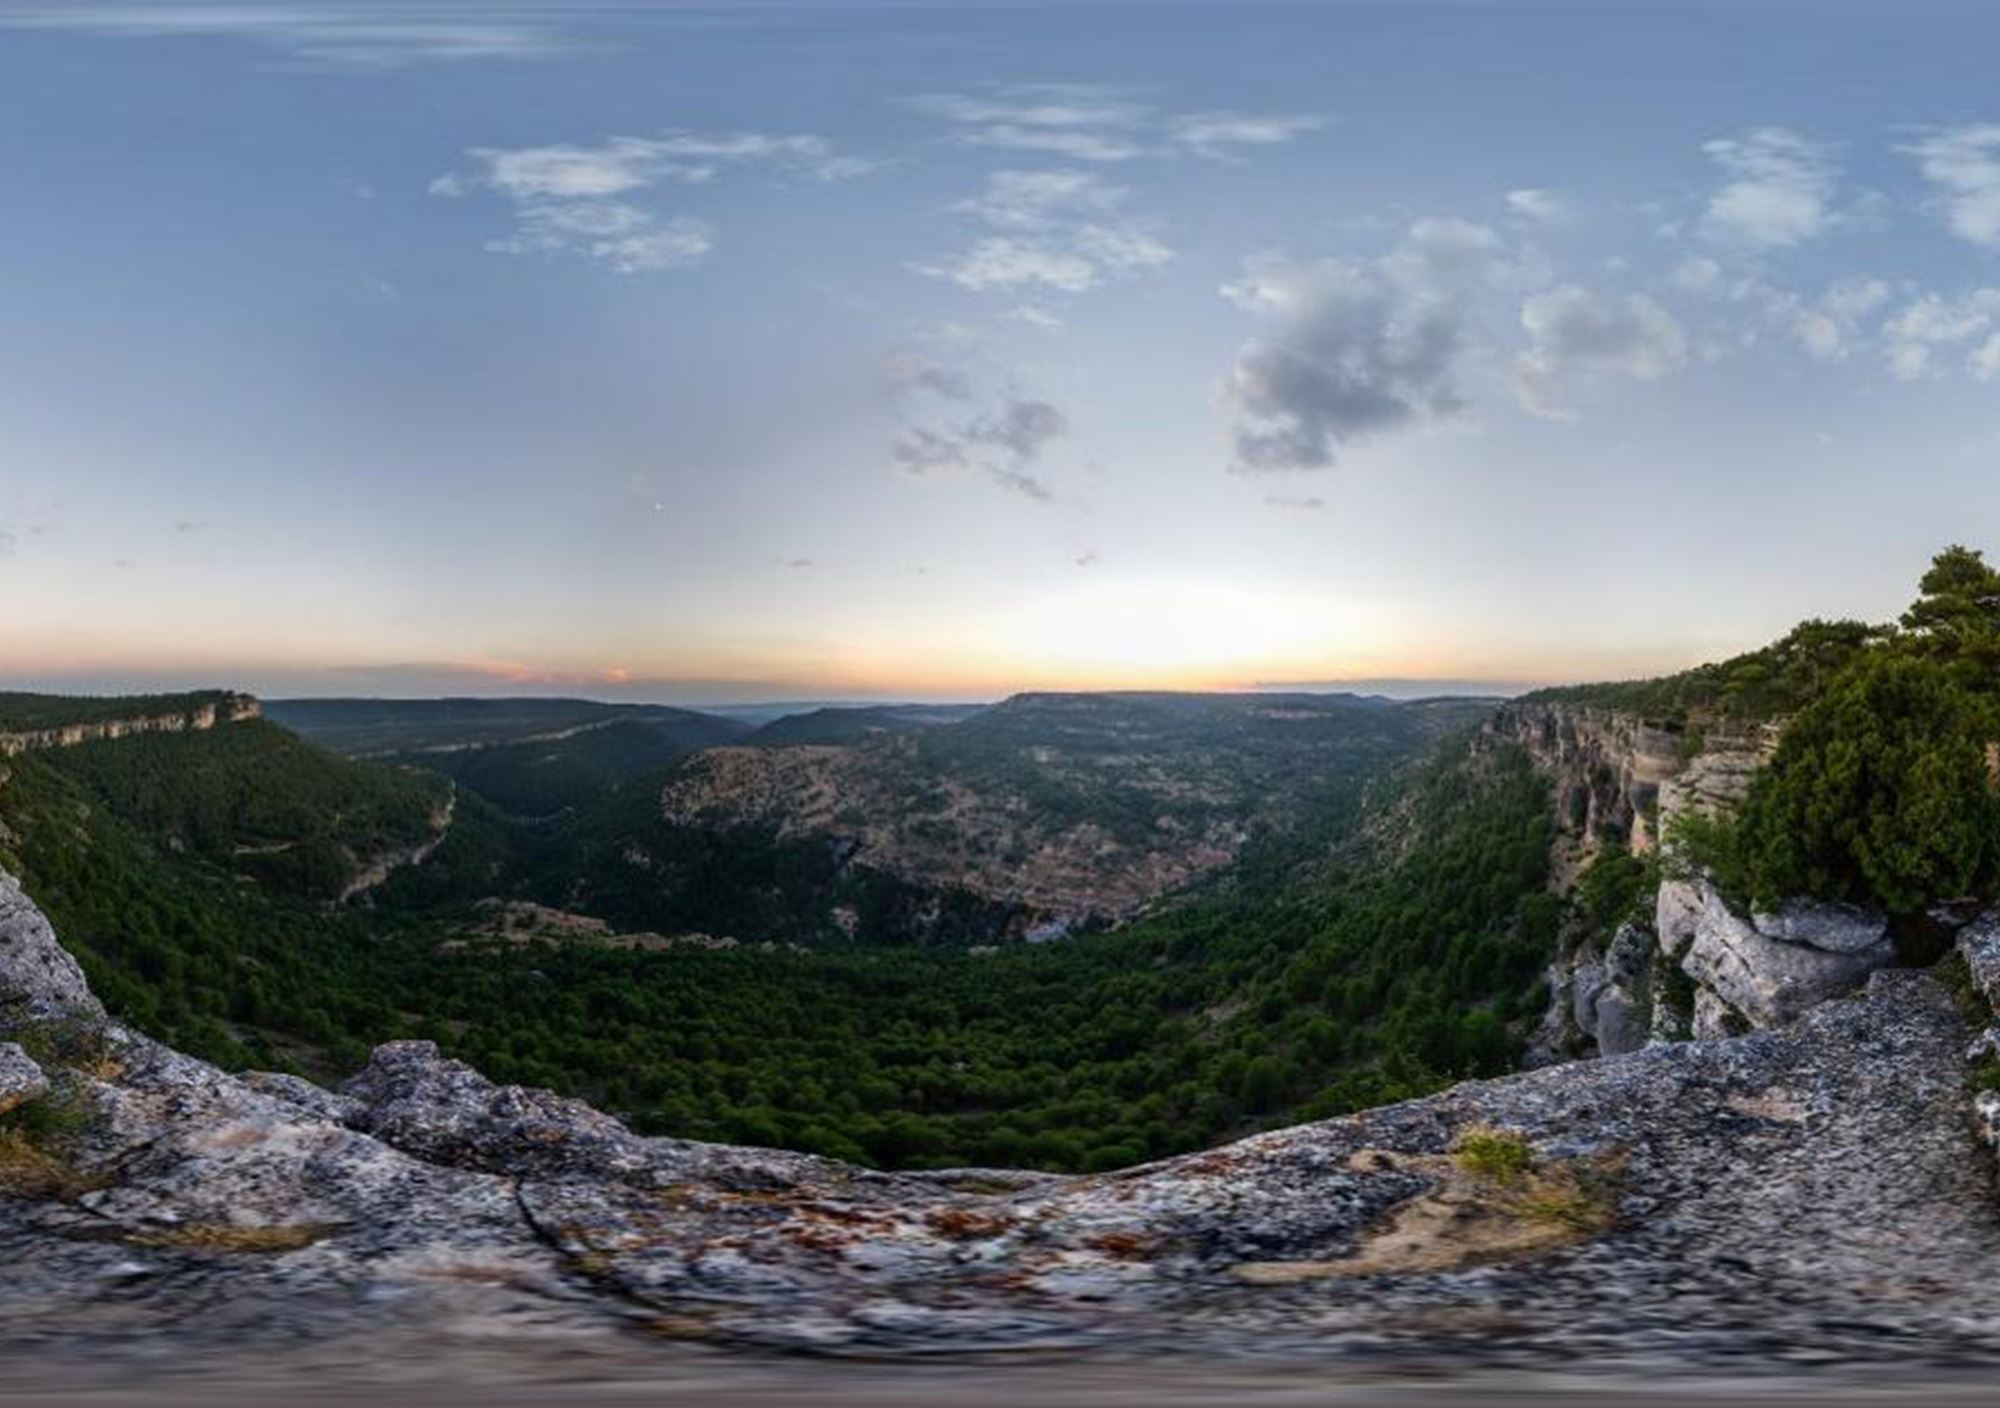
(1295, 503)
(358, 34)
(1091, 123)
(1780, 193)
(1699, 275)
(1931, 323)
(578, 200)
(1539, 207)
(630, 240)
(1830, 327)
(10, 541)
(915, 373)
(1350, 349)
(1021, 430)
(1078, 121)
(1575, 333)
(1984, 363)
(1963, 163)
(1036, 200)
(1058, 230)
(1002, 443)
(1221, 136)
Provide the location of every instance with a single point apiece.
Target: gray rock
(1831, 928)
(37, 977)
(21, 1080)
(1598, 1006)
(1979, 942)
(1986, 1117)
(1771, 969)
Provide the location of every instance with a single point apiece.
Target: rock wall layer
(235, 708)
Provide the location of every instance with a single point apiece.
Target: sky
(702, 352)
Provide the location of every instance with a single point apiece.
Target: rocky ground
(1809, 1200)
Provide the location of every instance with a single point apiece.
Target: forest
(1369, 961)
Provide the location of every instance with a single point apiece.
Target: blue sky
(701, 352)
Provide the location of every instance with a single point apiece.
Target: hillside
(1329, 972)
(528, 757)
(1044, 814)
(852, 723)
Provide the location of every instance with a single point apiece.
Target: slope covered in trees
(1329, 968)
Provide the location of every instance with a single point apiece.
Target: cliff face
(1729, 1206)
(235, 708)
(1620, 780)
(1694, 965)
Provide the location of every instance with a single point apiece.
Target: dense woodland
(1332, 971)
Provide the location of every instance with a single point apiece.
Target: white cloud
(1540, 207)
(1576, 333)
(576, 200)
(1062, 230)
(1700, 276)
(1829, 327)
(1005, 263)
(1034, 200)
(1351, 349)
(1930, 323)
(358, 33)
(1984, 363)
(1221, 136)
(624, 164)
(1780, 195)
(1963, 163)
(1090, 123)
(1080, 122)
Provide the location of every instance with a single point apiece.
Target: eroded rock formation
(198, 718)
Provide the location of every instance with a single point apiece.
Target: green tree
(1878, 793)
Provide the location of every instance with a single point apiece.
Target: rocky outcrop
(1611, 998)
(1794, 1198)
(21, 1079)
(1765, 970)
(1607, 768)
(37, 975)
(1620, 780)
(196, 718)
(1979, 945)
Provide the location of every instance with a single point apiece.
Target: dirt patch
(1479, 1209)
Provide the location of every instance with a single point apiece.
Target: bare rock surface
(1979, 943)
(1766, 969)
(21, 1080)
(1800, 1198)
(36, 972)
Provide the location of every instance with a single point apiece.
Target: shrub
(1878, 793)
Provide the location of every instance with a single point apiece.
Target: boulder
(21, 1080)
(1979, 943)
(1610, 997)
(37, 977)
(1769, 968)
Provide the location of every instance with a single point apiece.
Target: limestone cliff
(1794, 1199)
(1694, 965)
(196, 718)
